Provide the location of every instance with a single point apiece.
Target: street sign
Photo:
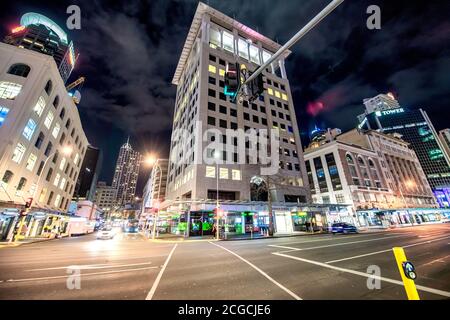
(410, 271)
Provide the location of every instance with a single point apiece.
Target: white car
(106, 233)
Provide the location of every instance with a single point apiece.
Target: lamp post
(67, 151)
(217, 157)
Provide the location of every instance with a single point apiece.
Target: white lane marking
(387, 250)
(335, 244)
(338, 237)
(81, 275)
(93, 266)
(292, 294)
(158, 278)
(362, 274)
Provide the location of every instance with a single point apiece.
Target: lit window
(9, 90)
(77, 157)
(214, 38)
(31, 162)
(212, 69)
(222, 72)
(236, 174)
(63, 183)
(254, 54)
(243, 49)
(223, 173)
(48, 121)
(18, 153)
(40, 106)
(43, 194)
(58, 200)
(62, 164)
(284, 97)
(210, 172)
(266, 56)
(57, 178)
(277, 94)
(56, 130)
(3, 113)
(228, 41)
(29, 129)
(270, 91)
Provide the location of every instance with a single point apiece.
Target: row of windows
(224, 173)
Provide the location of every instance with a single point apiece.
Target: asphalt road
(304, 267)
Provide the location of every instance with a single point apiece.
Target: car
(106, 233)
(343, 227)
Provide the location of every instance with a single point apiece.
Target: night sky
(129, 51)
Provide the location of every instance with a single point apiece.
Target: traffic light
(256, 87)
(232, 76)
(28, 203)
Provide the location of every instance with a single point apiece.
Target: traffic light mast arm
(326, 11)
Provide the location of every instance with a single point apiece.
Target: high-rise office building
(39, 33)
(105, 197)
(415, 128)
(444, 135)
(89, 172)
(214, 42)
(38, 122)
(126, 174)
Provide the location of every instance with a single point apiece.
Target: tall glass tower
(416, 128)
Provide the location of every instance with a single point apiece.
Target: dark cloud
(129, 51)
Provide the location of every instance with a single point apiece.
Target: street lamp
(217, 157)
(408, 184)
(67, 151)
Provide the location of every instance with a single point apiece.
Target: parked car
(343, 227)
(106, 233)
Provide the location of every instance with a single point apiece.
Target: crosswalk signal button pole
(407, 272)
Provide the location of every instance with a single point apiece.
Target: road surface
(304, 267)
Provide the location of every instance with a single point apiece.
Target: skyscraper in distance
(126, 174)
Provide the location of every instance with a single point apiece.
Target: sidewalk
(7, 244)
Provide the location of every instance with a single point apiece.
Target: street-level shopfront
(402, 217)
(245, 219)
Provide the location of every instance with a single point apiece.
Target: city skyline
(329, 76)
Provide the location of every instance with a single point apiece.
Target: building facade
(415, 128)
(89, 172)
(126, 174)
(38, 122)
(215, 41)
(400, 167)
(344, 173)
(105, 197)
(39, 33)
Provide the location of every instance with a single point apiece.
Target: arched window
(48, 87)
(56, 102)
(19, 69)
(21, 184)
(361, 162)
(62, 114)
(349, 159)
(7, 176)
(371, 164)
